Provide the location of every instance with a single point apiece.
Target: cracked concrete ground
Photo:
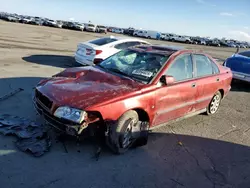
(202, 151)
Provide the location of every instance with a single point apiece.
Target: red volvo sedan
(135, 90)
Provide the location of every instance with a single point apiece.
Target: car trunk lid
(239, 63)
(87, 50)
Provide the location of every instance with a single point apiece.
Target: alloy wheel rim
(215, 104)
(127, 137)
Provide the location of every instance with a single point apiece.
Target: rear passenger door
(207, 77)
(176, 100)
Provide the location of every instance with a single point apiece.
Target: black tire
(117, 132)
(216, 100)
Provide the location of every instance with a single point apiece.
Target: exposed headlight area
(71, 114)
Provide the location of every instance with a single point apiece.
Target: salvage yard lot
(202, 151)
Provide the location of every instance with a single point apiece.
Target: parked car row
(53, 23)
(185, 39)
(149, 34)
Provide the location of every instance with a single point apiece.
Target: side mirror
(167, 80)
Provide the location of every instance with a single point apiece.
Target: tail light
(98, 52)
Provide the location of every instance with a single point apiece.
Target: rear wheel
(120, 137)
(213, 106)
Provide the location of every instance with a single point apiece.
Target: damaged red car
(131, 92)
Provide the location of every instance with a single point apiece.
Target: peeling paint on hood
(86, 86)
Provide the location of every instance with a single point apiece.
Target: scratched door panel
(207, 80)
(174, 101)
(206, 88)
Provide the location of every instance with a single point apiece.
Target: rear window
(245, 53)
(102, 41)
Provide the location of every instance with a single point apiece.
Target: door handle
(217, 79)
(193, 84)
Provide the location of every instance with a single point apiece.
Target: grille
(44, 100)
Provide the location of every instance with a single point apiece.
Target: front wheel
(120, 136)
(213, 106)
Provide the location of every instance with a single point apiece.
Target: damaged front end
(59, 120)
(79, 123)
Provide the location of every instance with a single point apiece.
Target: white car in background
(179, 38)
(94, 51)
(117, 30)
(90, 27)
(139, 33)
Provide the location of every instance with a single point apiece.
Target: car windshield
(91, 25)
(140, 66)
(103, 41)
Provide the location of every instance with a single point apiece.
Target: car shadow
(168, 160)
(241, 86)
(60, 61)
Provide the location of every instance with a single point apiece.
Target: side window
(203, 65)
(129, 44)
(125, 45)
(181, 68)
(215, 67)
(121, 46)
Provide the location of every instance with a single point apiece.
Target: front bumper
(61, 125)
(241, 76)
(102, 31)
(90, 29)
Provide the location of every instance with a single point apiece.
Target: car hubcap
(127, 137)
(215, 104)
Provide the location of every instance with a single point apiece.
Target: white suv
(179, 38)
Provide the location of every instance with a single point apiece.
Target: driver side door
(176, 100)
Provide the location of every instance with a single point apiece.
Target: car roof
(159, 49)
(119, 38)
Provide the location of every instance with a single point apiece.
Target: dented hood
(86, 86)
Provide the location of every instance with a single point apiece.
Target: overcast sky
(215, 18)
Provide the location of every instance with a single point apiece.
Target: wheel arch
(222, 93)
(143, 115)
